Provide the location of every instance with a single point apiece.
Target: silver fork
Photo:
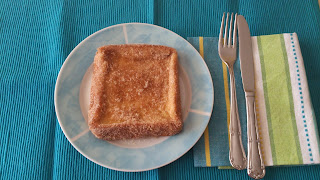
(228, 54)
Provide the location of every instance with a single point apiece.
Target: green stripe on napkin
(278, 100)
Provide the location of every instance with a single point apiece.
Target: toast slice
(135, 92)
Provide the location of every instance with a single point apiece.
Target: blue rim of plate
(101, 152)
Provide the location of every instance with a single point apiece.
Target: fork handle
(256, 168)
(237, 155)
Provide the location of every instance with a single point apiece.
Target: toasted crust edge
(135, 130)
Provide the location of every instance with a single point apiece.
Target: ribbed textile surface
(37, 36)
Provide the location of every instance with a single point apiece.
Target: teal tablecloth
(37, 36)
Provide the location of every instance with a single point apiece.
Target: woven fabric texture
(37, 36)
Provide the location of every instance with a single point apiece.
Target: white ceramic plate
(72, 100)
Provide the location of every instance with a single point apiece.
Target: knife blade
(246, 56)
(255, 165)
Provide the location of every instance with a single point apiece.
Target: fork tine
(226, 31)
(235, 31)
(230, 30)
(221, 31)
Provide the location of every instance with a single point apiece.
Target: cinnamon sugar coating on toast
(135, 92)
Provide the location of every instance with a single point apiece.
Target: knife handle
(237, 155)
(256, 168)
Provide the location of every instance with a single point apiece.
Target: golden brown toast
(135, 92)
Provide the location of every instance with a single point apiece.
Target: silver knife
(255, 165)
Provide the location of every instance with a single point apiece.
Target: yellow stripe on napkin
(226, 92)
(206, 132)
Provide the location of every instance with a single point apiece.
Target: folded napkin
(286, 122)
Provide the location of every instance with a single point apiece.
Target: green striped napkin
(286, 122)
